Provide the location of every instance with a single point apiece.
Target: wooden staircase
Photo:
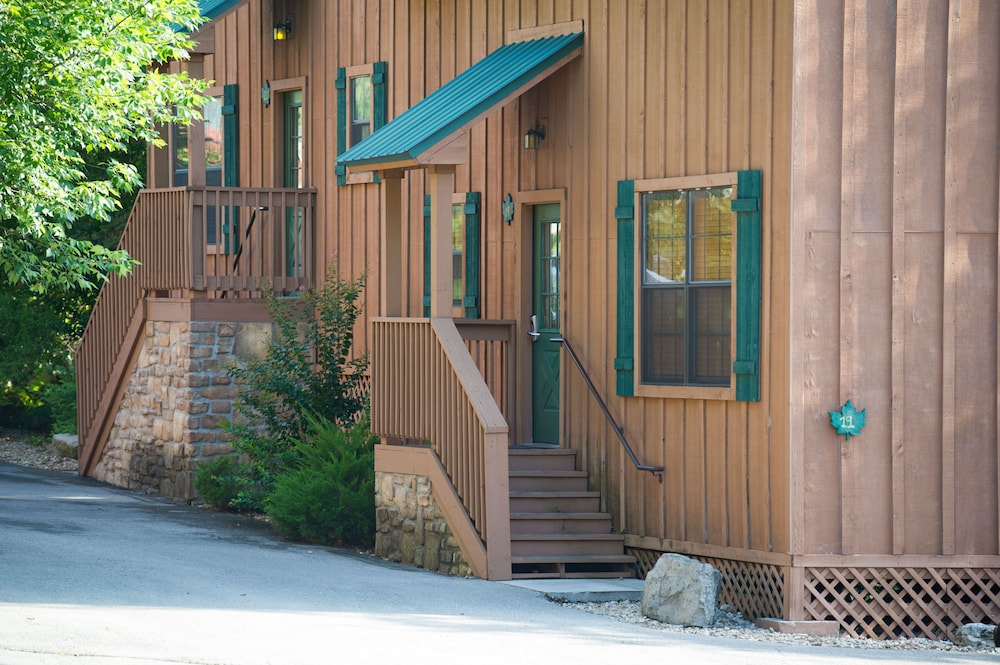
(556, 529)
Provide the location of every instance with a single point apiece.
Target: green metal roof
(211, 9)
(465, 99)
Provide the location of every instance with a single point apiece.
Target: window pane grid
(457, 264)
(361, 108)
(686, 292)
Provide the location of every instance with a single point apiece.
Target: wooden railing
(214, 242)
(489, 344)
(426, 386)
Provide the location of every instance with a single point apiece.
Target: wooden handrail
(657, 471)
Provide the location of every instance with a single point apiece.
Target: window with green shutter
(689, 287)
(362, 108)
(465, 247)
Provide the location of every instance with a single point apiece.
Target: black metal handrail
(657, 471)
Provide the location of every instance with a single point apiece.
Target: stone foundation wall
(175, 403)
(410, 528)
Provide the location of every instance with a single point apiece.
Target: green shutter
(380, 102)
(746, 366)
(380, 98)
(624, 361)
(341, 86)
(472, 224)
(230, 137)
(230, 163)
(427, 254)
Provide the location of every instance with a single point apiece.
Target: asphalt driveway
(93, 575)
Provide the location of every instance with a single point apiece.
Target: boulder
(977, 635)
(681, 591)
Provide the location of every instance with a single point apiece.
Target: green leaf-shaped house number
(848, 421)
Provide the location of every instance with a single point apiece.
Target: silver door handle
(533, 333)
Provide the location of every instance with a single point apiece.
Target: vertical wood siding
(664, 88)
(895, 192)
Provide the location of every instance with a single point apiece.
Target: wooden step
(607, 566)
(536, 459)
(560, 523)
(566, 544)
(555, 502)
(548, 481)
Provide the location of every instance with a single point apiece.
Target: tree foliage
(77, 85)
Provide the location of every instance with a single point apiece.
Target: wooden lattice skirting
(870, 602)
(754, 589)
(889, 603)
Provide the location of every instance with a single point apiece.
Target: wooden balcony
(193, 242)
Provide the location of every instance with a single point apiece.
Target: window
(465, 232)
(221, 159)
(362, 108)
(360, 101)
(457, 265)
(686, 280)
(689, 287)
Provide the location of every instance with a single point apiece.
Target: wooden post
(442, 185)
(391, 247)
(196, 133)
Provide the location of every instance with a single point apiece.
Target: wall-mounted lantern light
(283, 31)
(533, 137)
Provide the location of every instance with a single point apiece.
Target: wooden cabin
(628, 265)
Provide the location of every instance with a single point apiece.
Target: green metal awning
(212, 9)
(429, 132)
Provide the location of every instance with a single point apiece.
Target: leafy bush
(327, 497)
(308, 369)
(217, 482)
(60, 397)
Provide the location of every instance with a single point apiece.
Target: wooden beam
(442, 186)
(391, 245)
(551, 30)
(948, 323)
(904, 70)
(196, 132)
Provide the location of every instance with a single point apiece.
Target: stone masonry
(175, 404)
(410, 528)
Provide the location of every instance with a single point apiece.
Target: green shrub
(308, 369)
(218, 482)
(327, 496)
(60, 397)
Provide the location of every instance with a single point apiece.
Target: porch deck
(197, 243)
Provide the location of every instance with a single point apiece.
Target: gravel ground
(16, 449)
(728, 624)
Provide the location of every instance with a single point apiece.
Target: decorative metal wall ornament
(265, 94)
(508, 208)
(848, 421)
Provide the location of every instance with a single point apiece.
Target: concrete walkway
(91, 575)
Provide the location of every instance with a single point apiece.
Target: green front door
(545, 353)
(294, 175)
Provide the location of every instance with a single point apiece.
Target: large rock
(681, 591)
(977, 635)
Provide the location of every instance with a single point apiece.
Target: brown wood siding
(663, 88)
(895, 192)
